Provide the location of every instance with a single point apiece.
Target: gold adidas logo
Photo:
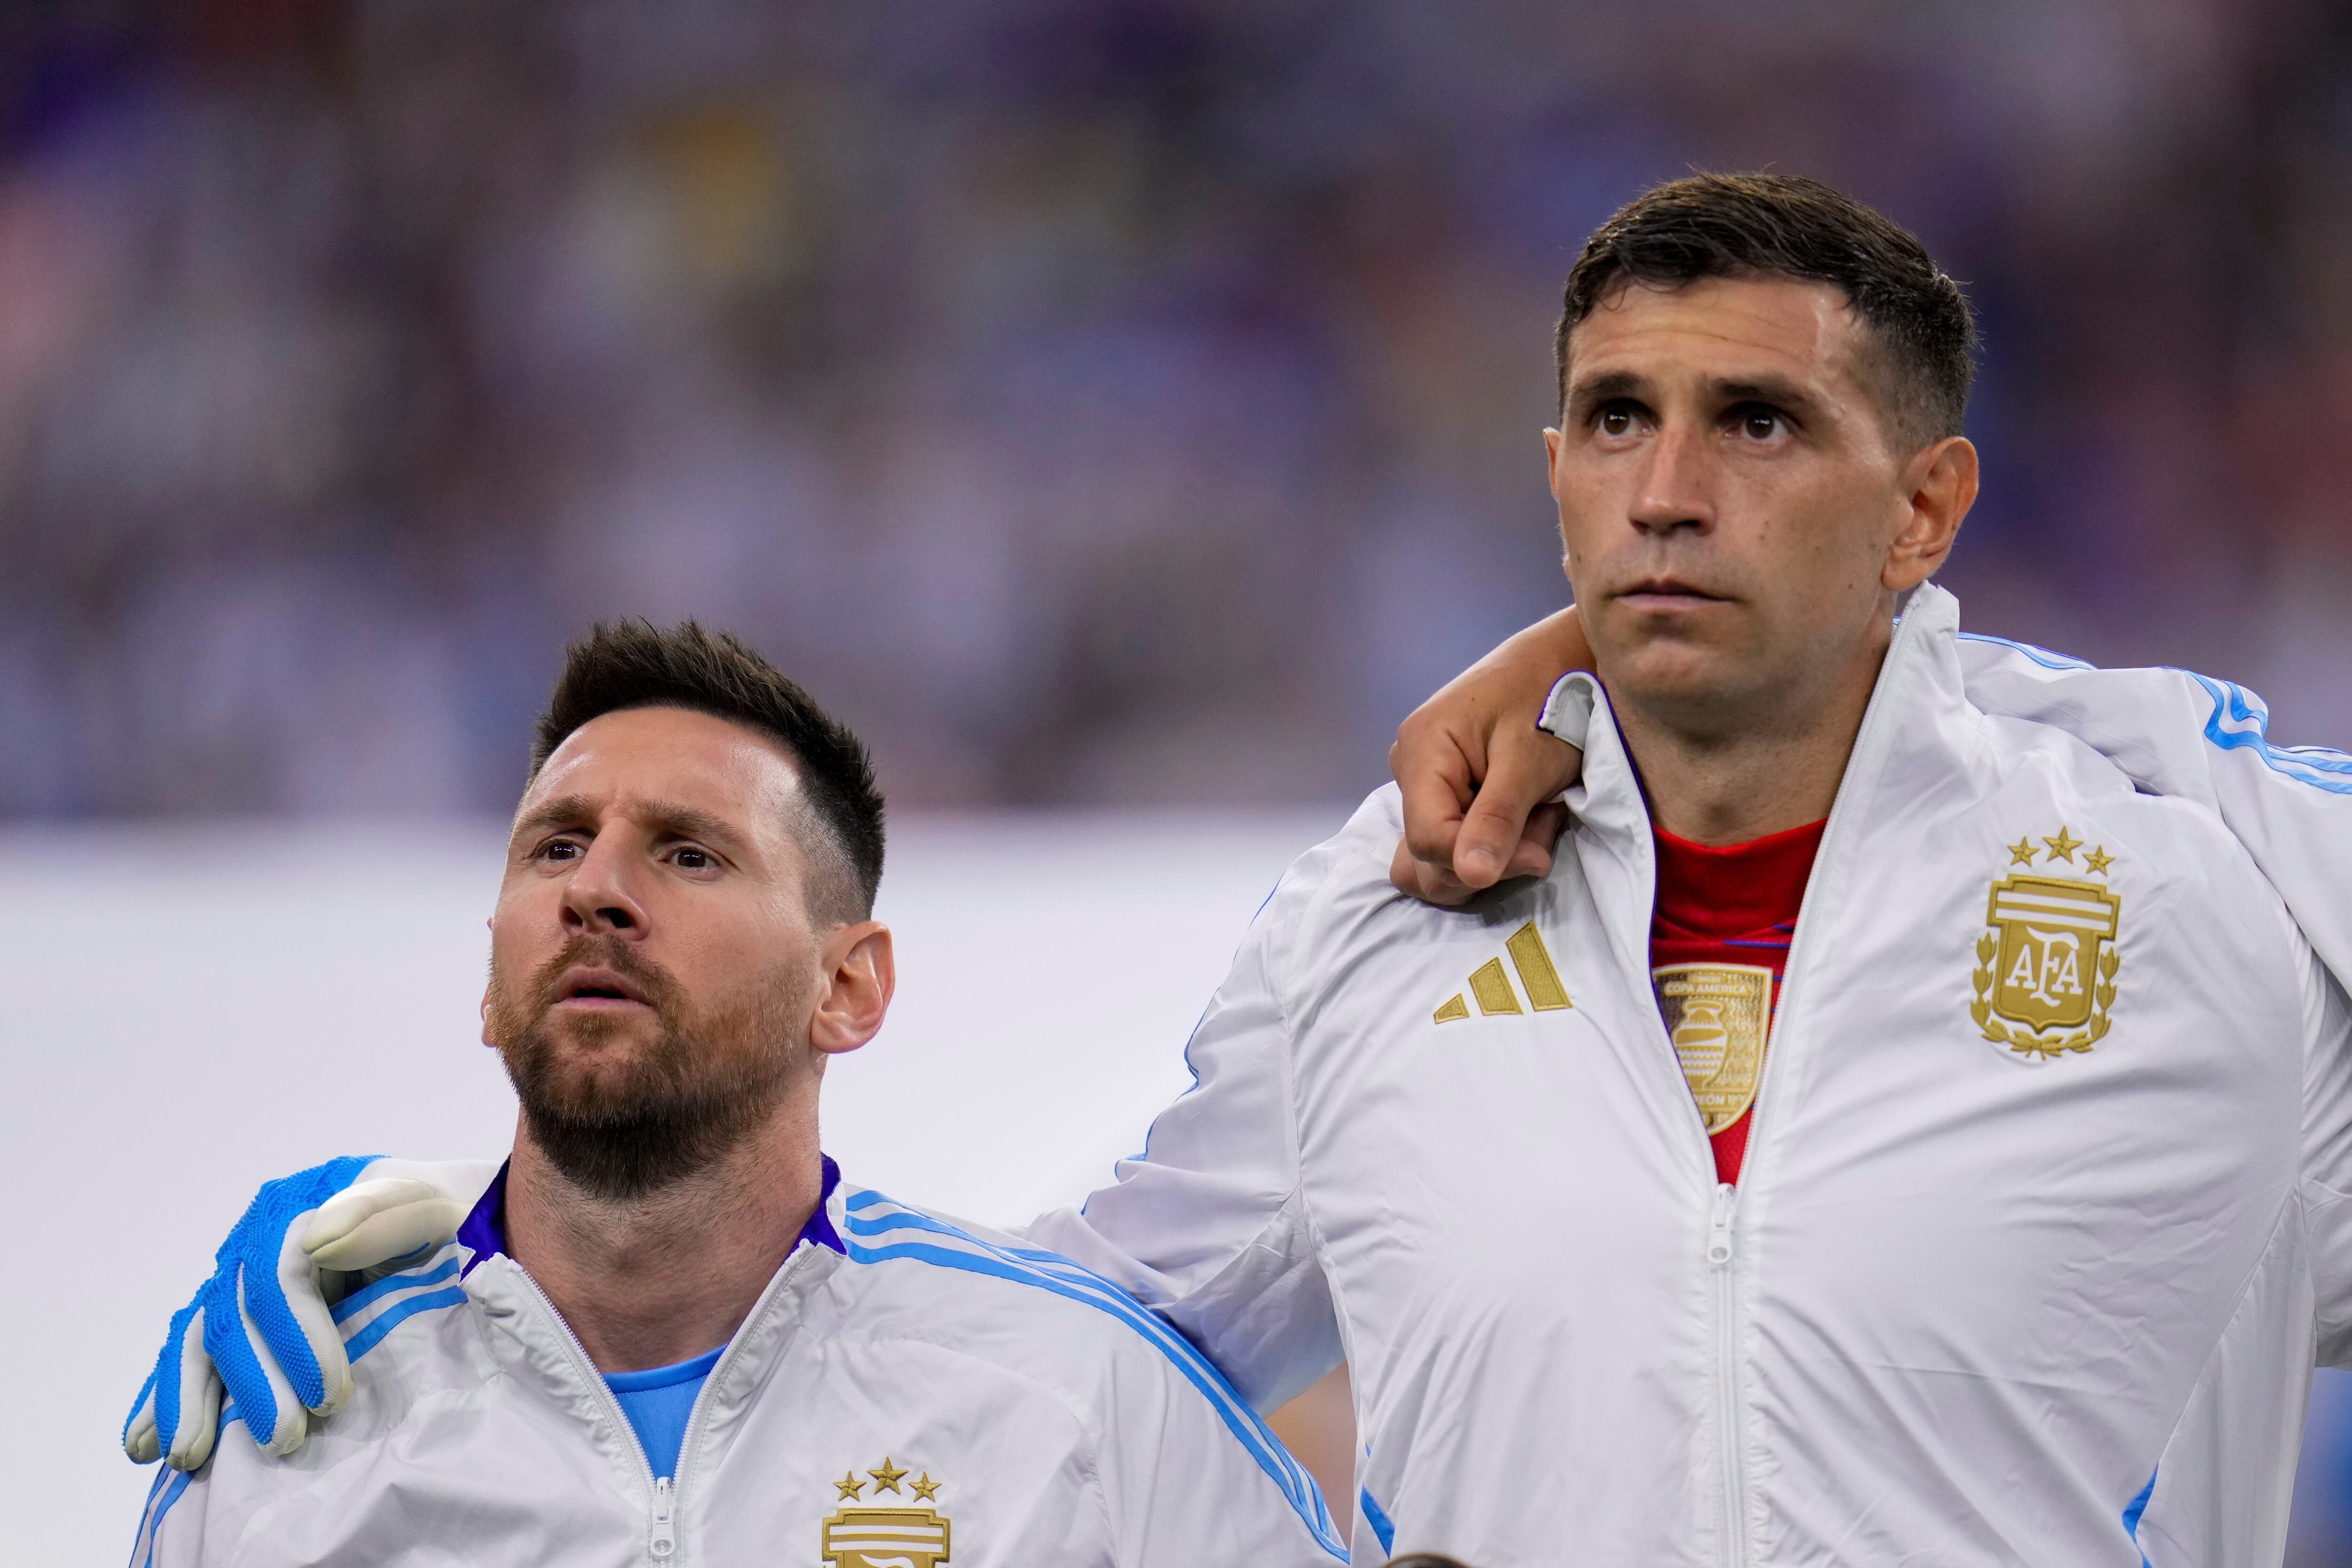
(1491, 987)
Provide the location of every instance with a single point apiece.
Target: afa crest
(867, 1534)
(2047, 961)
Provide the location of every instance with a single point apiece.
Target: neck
(659, 1279)
(1766, 762)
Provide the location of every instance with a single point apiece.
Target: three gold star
(2063, 846)
(885, 1478)
(927, 1489)
(2099, 860)
(849, 1486)
(2022, 852)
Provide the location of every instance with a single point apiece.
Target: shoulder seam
(1058, 1275)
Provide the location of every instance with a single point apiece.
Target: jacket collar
(484, 1232)
(1920, 741)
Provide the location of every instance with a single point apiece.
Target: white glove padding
(263, 1325)
(372, 1228)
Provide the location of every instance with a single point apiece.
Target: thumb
(1525, 770)
(372, 1222)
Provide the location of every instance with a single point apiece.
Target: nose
(1677, 489)
(598, 896)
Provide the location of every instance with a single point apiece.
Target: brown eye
(1616, 421)
(1761, 426)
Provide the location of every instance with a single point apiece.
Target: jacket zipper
(1722, 1251)
(661, 1528)
(1723, 1221)
(1720, 1257)
(661, 1523)
(664, 1541)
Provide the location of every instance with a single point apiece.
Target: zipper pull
(1718, 1228)
(664, 1534)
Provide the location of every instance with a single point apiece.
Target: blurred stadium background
(1109, 405)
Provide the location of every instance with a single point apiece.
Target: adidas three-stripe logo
(1491, 987)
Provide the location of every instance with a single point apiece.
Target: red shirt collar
(1730, 891)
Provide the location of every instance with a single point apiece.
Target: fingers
(1437, 770)
(374, 1222)
(1526, 768)
(256, 1385)
(1532, 856)
(139, 1438)
(200, 1423)
(178, 1414)
(1425, 880)
(297, 1284)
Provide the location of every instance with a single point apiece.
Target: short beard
(656, 1117)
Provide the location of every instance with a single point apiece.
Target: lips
(595, 986)
(1665, 593)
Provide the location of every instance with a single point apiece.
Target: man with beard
(1881, 1132)
(668, 1330)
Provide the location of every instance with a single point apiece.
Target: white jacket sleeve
(1207, 1225)
(1190, 1479)
(2328, 1160)
(2177, 733)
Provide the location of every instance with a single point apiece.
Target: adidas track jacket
(924, 1398)
(2044, 1215)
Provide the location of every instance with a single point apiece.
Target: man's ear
(1940, 486)
(861, 973)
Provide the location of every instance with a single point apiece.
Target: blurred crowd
(1098, 401)
(1095, 400)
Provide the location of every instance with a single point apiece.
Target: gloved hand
(262, 1325)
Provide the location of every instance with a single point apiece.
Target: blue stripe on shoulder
(391, 1284)
(2135, 1508)
(1052, 1272)
(160, 1498)
(2240, 722)
(392, 1317)
(2041, 656)
(1384, 1528)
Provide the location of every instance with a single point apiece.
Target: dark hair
(634, 665)
(1736, 226)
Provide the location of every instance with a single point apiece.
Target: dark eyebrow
(671, 820)
(1606, 387)
(555, 811)
(1778, 391)
(666, 818)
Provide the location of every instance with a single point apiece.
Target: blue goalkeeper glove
(262, 1327)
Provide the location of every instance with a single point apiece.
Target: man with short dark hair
(1880, 1133)
(669, 1331)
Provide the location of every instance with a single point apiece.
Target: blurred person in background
(668, 1330)
(2072, 1205)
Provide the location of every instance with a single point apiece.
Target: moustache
(656, 984)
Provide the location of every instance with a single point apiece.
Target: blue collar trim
(484, 1232)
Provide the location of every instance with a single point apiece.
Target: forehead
(672, 754)
(1731, 327)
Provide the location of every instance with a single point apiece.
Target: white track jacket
(923, 1397)
(2044, 1217)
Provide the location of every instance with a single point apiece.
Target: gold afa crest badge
(868, 1534)
(2047, 961)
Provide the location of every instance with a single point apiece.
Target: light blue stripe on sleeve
(390, 1285)
(1383, 1531)
(2239, 724)
(1052, 1272)
(392, 1317)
